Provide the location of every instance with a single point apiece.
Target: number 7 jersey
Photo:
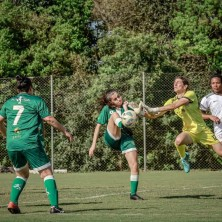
(24, 114)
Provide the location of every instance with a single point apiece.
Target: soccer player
(116, 136)
(185, 105)
(24, 114)
(211, 105)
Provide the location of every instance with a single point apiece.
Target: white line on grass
(124, 193)
(117, 194)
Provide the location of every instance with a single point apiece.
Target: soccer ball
(129, 118)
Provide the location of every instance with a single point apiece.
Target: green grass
(171, 196)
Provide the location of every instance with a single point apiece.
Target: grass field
(171, 196)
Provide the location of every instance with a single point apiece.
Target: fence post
(144, 126)
(52, 129)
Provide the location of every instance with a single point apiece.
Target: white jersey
(213, 103)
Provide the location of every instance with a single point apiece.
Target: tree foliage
(124, 56)
(144, 16)
(41, 37)
(198, 31)
(101, 44)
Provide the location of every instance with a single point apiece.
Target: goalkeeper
(185, 105)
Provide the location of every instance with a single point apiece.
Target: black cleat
(135, 197)
(56, 210)
(13, 208)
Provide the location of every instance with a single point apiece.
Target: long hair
(23, 83)
(106, 98)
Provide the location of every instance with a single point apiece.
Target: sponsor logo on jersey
(20, 99)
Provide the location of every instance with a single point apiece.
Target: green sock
(134, 180)
(181, 150)
(17, 187)
(51, 190)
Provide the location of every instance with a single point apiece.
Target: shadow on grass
(201, 196)
(62, 204)
(85, 210)
(106, 209)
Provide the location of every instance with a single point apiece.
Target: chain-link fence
(70, 104)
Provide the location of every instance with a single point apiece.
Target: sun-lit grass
(170, 196)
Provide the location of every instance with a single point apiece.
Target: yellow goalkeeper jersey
(189, 113)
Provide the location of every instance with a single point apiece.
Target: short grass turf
(169, 196)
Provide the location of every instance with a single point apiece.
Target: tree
(198, 34)
(145, 16)
(39, 38)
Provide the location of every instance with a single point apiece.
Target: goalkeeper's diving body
(185, 105)
(116, 136)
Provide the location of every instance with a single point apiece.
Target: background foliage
(89, 46)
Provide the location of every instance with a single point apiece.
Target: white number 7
(19, 113)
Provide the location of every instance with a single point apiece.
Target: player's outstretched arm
(95, 138)
(213, 118)
(2, 127)
(163, 109)
(55, 123)
(150, 109)
(149, 112)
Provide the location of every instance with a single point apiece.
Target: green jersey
(106, 113)
(24, 113)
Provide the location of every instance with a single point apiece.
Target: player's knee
(46, 172)
(219, 151)
(134, 167)
(114, 115)
(24, 173)
(177, 142)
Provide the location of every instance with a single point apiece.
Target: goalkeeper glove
(139, 111)
(150, 109)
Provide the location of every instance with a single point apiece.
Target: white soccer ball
(129, 118)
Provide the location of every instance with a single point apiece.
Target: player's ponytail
(23, 83)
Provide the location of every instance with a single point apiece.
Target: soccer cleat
(13, 208)
(56, 210)
(135, 197)
(185, 162)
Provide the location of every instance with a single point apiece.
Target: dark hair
(23, 83)
(184, 80)
(216, 75)
(106, 98)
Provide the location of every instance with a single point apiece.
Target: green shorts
(125, 143)
(36, 158)
(206, 137)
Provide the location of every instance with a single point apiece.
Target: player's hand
(139, 111)
(150, 109)
(125, 105)
(215, 119)
(91, 151)
(69, 136)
